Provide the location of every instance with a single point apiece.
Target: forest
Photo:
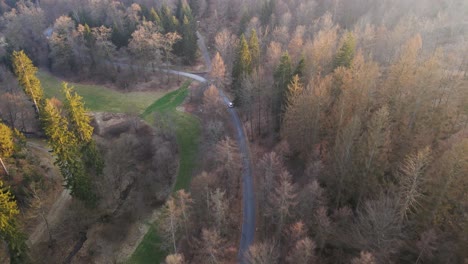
(130, 131)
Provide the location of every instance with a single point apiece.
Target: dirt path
(40, 232)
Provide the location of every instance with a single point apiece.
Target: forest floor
(61, 197)
(187, 128)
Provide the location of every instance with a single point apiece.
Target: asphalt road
(248, 197)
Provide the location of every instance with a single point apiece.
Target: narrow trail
(56, 209)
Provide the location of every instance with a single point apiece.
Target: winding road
(248, 197)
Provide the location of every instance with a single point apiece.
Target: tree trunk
(173, 233)
(4, 167)
(47, 226)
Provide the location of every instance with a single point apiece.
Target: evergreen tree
(283, 77)
(184, 23)
(26, 73)
(243, 22)
(77, 116)
(268, 9)
(9, 229)
(6, 144)
(117, 37)
(300, 68)
(179, 12)
(168, 20)
(79, 125)
(66, 146)
(345, 54)
(153, 16)
(189, 40)
(254, 49)
(195, 6)
(242, 66)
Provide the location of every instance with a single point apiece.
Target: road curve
(248, 197)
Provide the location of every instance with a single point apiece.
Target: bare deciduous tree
(426, 245)
(218, 71)
(364, 258)
(282, 201)
(229, 158)
(211, 247)
(170, 225)
(303, 252)
(225, 43)
(378, 228)
(411, 180)
(174, 259)
(219, 208)
(263, 253)
(212, 103)
(270, 166)
(184, 203)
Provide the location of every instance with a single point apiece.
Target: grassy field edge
(187, 133)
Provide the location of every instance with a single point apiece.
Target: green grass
(168, 102)
(187, 132)
(99, 98)
(148, 250)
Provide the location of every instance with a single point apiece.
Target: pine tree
(187, 47)
(6, 144)
(282, 76)
(189, 40)
(155, 18)
(79, 121)
(79, 125)
(300, 68)
(60, 138)
(168, 20)
(242, 66)
(195, 6)
(254, 48)
(26, 73)
(9, 229)
(244, 21)
(66, 146)
(268, 9)
(345, 54)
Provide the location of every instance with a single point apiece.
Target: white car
(230, 105)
